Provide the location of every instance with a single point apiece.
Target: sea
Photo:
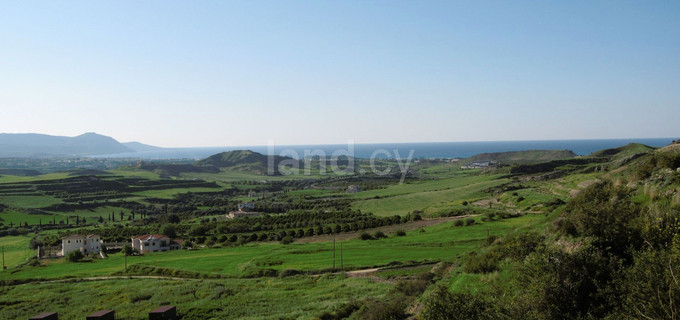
(427, 150)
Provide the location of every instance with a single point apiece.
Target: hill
(244, 160)
(141, 147)
(42, 145)
(528, 156)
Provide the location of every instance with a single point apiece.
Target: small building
(102, 315)
(155, 243)
(46, 316)
(164, 313)
(86, 244)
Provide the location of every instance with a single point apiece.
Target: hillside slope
(246, 161)
(41, 145)
(527, 156)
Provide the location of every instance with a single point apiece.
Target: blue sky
(228, 73)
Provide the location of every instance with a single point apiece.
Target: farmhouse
(154, 243)
(86, 244)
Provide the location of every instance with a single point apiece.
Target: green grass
(19, 218)
(49, 176)
(16, 250)
(429, 196)
(38, 201)
(227, 176)
(170, 193)
(435, 243)
(289, 298)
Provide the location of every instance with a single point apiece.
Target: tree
(173, 218)
(75, 256)
(122, 215)
(127, 250)
(101, 220)
(187, 245)
(169, 230)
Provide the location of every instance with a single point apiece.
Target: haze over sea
(421, 150)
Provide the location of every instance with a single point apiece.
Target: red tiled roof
(149, 236)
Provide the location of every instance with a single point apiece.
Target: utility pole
(342, 264)
(333, 252)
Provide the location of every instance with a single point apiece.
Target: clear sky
(229, 73)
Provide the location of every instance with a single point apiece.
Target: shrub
(394, 308)
(442, 304)
(287, 240)
(379, 235)
(209, 243)
(75, 256)
(169, 230)
(136, 297)
(469, 221)
(289, 273)
(187, 244)
(458, 223)
(482, 263)
(365, 236)
(411, 288)
(400, 233)
(35, 243)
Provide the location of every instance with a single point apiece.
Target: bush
(169, 230)
(411, 288)
(393, 309)
(365, 236)
(35, 243)
(469, 221)
(458, 223)
(187, 244)
(289, 273)
(400, 233)
(442, 304)
(287, 240)
(75, 256)
(209, 243)
(379, 235)
(198, 230)
(482, 263)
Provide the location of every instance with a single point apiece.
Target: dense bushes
(75, 256)
(442, 304)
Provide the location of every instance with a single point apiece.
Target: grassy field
(298, 297)
(29, 201)
(442, 242)
(170, 193)
(428, 196)
(16, 250)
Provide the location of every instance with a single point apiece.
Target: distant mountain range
(42, 145)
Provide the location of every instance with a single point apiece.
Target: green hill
(244, 160)
(528, 156)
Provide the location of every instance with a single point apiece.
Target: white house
(90, 243)
(154, 243)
